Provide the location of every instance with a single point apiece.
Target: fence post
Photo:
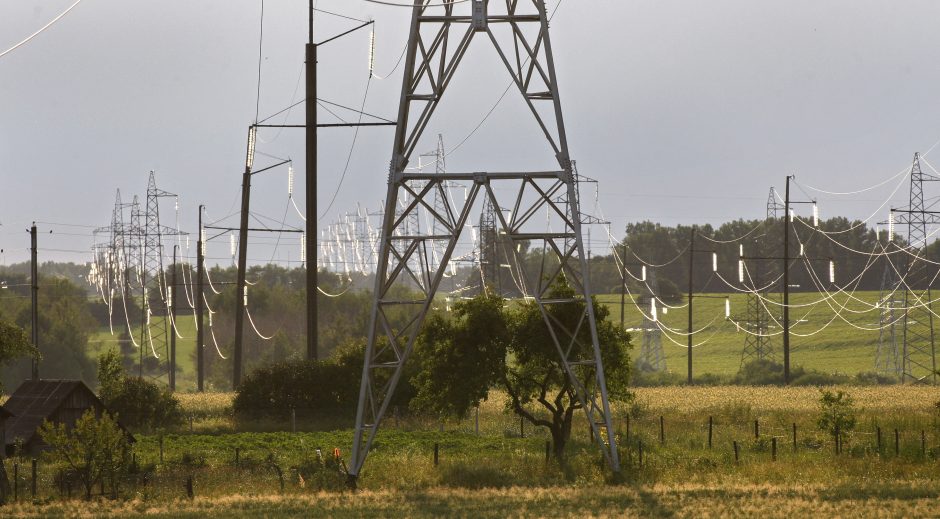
(640, 453)
(476, 425)
(190, 493)
(756, 429)
(878, 434)
(838, 449)
(897, 443)
(16, 481)
(794, 437)
(435, 454)
(161, 449)
(773, 448)
(628, 427)
(522, 427)
(33, 486)
(548, 450)
(710, 423)
(735, 445)
(237, 452)
(923, 443)
(662, 429)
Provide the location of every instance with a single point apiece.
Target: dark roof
(35, 401)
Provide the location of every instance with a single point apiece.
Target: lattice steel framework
(757, 343)
(918, 352)
(651, 351)
(888, 356)
(440, 36)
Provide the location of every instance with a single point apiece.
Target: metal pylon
(918, 352)
(153, 280)
(888, 356)
(651, 352)
(439, 38)
(757, 343)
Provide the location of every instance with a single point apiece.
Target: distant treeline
(858, 255)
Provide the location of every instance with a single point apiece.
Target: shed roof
(35, 401)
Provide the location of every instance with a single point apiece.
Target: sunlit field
(498, 469)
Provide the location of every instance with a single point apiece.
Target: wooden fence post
(735, 445)
(476, 425)
(878, 435)
(897, 443)
(640, 452)
(773, 448)
(435, 454)
(33, 486)
(710, 423)
(794, 437)
(628, 427)
(161, 449)
(662, 429)
(756, 429)
(190, 492)
(522, 427)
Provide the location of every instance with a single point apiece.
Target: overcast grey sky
(685, 111)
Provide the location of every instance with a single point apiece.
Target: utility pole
(34, 289)
(240, 286)
(311, 236)
(691, 270)
(623, 282)
(200, 306)
(786, 283)
(172, 302)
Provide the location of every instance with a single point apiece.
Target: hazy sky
(686, 112)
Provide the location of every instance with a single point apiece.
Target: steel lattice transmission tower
(489, 253)
(918, 352)
(888, 356)
(651, 352)
(440, 36)
(757, 343)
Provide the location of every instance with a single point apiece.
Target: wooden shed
(35, 401)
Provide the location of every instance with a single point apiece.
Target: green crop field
(835, 335)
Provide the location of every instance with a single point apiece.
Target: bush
(142, 404)
(137, 402)
(320, 389)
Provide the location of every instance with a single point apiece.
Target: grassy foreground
(250, 469)
(917, 500)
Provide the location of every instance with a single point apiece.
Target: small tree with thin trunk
(95, 448)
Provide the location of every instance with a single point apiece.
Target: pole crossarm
(417, 259)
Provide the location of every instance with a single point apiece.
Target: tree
(138, 402)
(14, 344)
(837, 413)
(95, 449)
(487, 345)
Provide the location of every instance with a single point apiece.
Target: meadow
(498, 469)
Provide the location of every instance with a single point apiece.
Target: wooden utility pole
(200, 306)
(691, 270)
(311, 236)
(34, 290)
(172, 302)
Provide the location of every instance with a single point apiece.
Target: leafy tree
(14, 343)
(96, 449)
(487, 345)
(138, 402)
(837, 413)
